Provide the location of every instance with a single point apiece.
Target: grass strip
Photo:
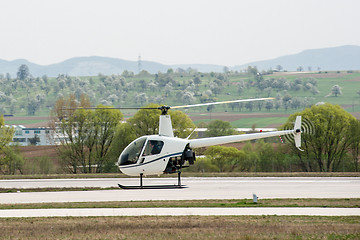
(280, 202)
(187, 227)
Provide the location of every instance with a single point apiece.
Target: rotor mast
(165, 125)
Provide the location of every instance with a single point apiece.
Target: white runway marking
(94, 212)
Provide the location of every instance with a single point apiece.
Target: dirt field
(31, 152)
(38, 157)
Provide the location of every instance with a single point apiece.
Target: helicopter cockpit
(136, 149)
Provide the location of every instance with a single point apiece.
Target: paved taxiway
(196, 188)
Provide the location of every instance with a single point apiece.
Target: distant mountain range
(327, 59)
(330, 59)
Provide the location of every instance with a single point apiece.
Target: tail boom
(206, 142)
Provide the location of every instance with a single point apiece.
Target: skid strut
(141, 186)
(179, 179)
(141, 180)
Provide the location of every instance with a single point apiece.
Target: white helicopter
(164, 153)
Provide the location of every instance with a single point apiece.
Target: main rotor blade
(164, 109)
(110, 108)
(214, 103)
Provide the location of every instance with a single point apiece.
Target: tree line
(92, 140)
(330, 139)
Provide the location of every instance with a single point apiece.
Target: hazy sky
(225, 32)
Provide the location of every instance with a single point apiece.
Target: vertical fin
(297, 133)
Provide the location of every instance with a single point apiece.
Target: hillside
(327, 59)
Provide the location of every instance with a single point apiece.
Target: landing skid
(154, 186)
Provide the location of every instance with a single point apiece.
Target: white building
(23, 135)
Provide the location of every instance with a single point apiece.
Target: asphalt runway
(196, 188)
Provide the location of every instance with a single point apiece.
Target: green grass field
(25, 122)
(258, 122)
(221, 203)
(250, 122)
(349, 83)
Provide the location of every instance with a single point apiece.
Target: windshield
(132, 152)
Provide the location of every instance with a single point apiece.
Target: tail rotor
(297, 133)
(301, 126)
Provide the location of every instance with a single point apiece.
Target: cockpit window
(153, 147)
(131, 153)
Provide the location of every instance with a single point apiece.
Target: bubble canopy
(132, 152)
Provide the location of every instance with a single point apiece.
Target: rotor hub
(164, 109)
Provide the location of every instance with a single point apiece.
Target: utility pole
(139, 64)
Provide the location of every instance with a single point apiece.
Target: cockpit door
(152, 150)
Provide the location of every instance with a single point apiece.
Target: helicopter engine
(188, 155)
(176, 163)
